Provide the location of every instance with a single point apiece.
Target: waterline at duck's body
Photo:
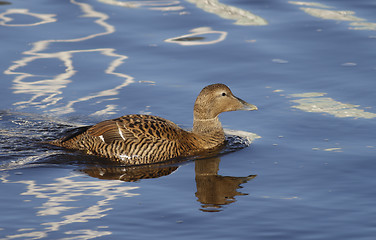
(141, 139)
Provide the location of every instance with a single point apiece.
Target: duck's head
(217, 98)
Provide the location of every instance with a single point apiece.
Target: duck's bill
(247, 106)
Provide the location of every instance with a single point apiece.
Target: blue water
(310, 68)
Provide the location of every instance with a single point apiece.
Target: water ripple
(47, 91)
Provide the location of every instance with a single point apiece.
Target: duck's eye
(223, 94)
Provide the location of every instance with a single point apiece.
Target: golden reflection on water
(64, 194)
(321, 11)
(47, 91)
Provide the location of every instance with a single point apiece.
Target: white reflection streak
(331, 14)
(309, 4)
(67, 190)
(48, 90)
(45, 18)
(316, 102)
(109, 92)
(166, 5)
(241, 16)
(356, 22)
(188, 39)
(89, 13)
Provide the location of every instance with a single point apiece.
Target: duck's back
(135, 139)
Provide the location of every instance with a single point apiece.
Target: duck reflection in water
(213, 190)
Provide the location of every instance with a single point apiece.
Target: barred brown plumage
(143, 139)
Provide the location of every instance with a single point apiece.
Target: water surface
(308, 66)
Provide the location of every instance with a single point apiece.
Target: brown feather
(140, 139)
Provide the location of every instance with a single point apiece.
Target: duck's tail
(70, 137)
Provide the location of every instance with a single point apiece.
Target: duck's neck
(209, 127)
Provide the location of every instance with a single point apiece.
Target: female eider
(143, 139)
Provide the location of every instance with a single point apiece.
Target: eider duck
(143, 139)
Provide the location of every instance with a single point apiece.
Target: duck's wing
(72, 133)
(136, 128)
